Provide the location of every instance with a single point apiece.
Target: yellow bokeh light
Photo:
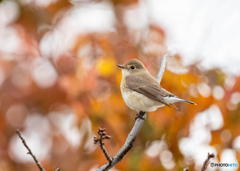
(106, 66)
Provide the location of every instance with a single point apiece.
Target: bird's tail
(183, 100)
(173, 99)
(188, 101)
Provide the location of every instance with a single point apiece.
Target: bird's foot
(140, 115)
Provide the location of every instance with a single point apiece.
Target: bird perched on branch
(141, 91)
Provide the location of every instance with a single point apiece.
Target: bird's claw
(140, 116)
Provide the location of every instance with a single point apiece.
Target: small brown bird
(141, 91)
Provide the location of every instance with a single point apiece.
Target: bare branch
(162, 67)
(127, 146)
(29, 151)
(136, 128)
(207, 161)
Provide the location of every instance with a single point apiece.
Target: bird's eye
(132, 67)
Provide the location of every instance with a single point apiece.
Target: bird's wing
(148, 87)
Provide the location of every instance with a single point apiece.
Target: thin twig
(103, 135)
(136, 128)
(105, 152)
(29, 151)
(207, 161)
(162, 67)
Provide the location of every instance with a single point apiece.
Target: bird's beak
(120, 66)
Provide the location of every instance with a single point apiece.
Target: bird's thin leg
(140, 115)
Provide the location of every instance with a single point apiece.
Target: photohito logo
(223, 164)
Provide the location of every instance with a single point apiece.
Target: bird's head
(132, 66)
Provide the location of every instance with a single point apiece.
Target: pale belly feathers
(139, 102)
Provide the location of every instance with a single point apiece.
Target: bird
(142, 92)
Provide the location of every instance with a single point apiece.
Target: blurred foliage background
(59, 82)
